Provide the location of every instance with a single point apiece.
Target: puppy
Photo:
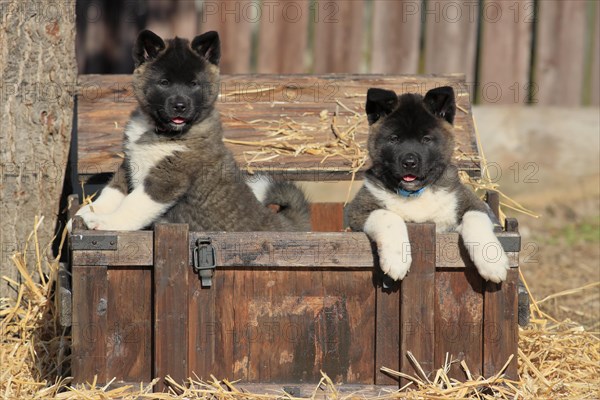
(412, 179)
(176, 167)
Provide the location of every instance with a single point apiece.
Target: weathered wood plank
(396, 50)
(283, 37)
(90, 302)
(129, 322)
(202, 329)
(327, 217)
(349, 326)
(417, 302)
(507, 29)
(338, 42)
(171, 266)
(450, 37)
(500, 328)
(387, 332)
(310, 321)
(323, 249)
(105, 102)
(560, 49)
(134, 248)
(233, 20)
(459, 320)
(225, 330)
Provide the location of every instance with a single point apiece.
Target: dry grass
(556, 359)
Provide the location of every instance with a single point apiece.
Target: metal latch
(204, 261)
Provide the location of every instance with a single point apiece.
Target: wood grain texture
(90, 302)
(560, 52)
(129, 323)
(387, 333)
(308, 320)
(507, 29)
(417, 302)
(283, 37)
(134, 248)
(327, 217)
(171, 266)
(323, 249)
(105, 102)
(339, 37)
(233, 20)
(459, 320)
(500, 326)
(266, 249)
(450, 37)
(202, 330)
(397, 52)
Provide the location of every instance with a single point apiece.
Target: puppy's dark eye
(193, 83)
(164, 82)
(426, 139)
(393, 139)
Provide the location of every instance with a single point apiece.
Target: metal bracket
(204, 261)
(87, 241)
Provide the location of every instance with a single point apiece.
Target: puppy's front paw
(96, 221)
(82, 211)
(492, 268)
(393, 262)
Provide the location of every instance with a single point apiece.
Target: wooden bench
(279, 308)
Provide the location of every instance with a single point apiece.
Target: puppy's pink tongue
(178, 120)
(409, 178)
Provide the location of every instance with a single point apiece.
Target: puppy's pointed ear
(380, 103)
(208, 46)
(147, 46)
(441, 102)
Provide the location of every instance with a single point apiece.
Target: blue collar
(408, 193)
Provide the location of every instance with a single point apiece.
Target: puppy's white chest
(437, 206)
(145, 156)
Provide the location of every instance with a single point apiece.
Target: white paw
(491, 262)
(393, 261)
(98, 221)
(82, 211)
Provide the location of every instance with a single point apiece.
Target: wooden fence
(512, 51)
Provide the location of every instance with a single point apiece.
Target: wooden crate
(282, 306)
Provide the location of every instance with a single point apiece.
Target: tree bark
(37, 84)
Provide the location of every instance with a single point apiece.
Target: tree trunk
(37, 85)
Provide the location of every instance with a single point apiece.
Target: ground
(561, 251)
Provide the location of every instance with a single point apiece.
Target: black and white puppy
(412, 179)
(177, 168)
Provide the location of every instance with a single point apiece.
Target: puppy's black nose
(179, 107)
(410, 161)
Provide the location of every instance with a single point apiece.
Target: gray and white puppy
(177, 168)
(412, 179)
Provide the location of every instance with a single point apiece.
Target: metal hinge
(204, 261)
